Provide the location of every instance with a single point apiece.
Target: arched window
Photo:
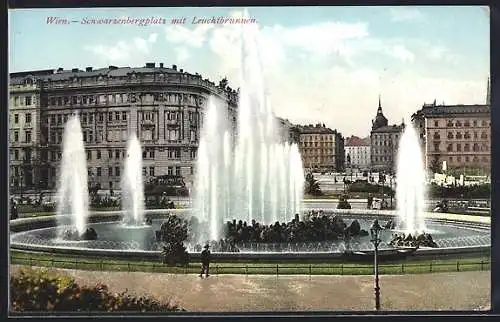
(458, 135)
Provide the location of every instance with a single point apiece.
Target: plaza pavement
(237, 293)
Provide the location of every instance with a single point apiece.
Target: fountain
(132, 185)
(73, 194)
(410, 190)
(264, 178)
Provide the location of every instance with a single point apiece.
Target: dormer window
(28, 81)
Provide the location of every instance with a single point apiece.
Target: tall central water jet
(73, 193)
(132, 184)
(410, 190)
(263, 179)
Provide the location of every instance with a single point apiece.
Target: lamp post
(375, 230)
(391, 191)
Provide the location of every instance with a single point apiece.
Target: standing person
(370, 201)
(205, 261)
(13, 209)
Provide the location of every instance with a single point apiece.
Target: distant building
(457, 134)
(384, 140)
(357, 153)
(321, 148)
(288, 131)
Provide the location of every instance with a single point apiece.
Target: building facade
(384, 140)
(288, 131)
(321, 148)
(24, 129)
(163, 106)
(457, 134)
(357, 152)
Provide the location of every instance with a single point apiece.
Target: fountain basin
(455, 234)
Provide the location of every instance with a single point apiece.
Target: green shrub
(42, 290)
(467, 192)
(371, 188)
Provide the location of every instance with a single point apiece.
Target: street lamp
(375, 230)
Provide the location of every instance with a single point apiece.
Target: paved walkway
(438, 291)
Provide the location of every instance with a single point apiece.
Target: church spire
(379, 104)
(488, 92)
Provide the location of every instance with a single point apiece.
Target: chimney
(181, 70)
(150, 65)
(88, 69)
(74, 70)
(112, 67)
(161, 65)
(60, 69)
(174, 67)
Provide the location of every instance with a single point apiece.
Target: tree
(173, 231)
(435, 167)
(312, 186)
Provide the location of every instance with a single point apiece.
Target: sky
(320, 64)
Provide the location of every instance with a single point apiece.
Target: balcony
(148, 123)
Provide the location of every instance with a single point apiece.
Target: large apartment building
(457, 134)
(357, 151)
(384, 141)
(321, 148)
(164, 106)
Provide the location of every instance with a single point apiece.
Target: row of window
(316, 151)
(123, 98)
(116, 171)
(382, 159)
(451, 147)
(315, 144)
(459, 135)
(24, 100)
(475, 148)
(316, 137)
(467, 158)
(27, 136)
(384, 143)
(384, 137)
(117, 154)
(117, 116)
(27, 118)
(382, 151)
(465, 123)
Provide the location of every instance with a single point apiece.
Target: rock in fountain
(132, 184)
(73, 195)
(410, 183)
(264, 178)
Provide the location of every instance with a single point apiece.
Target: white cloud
(316, 73)
(403, 14)
(182, 54)
(402, 53)
(123, 50)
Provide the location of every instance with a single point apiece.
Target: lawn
(284, 268)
